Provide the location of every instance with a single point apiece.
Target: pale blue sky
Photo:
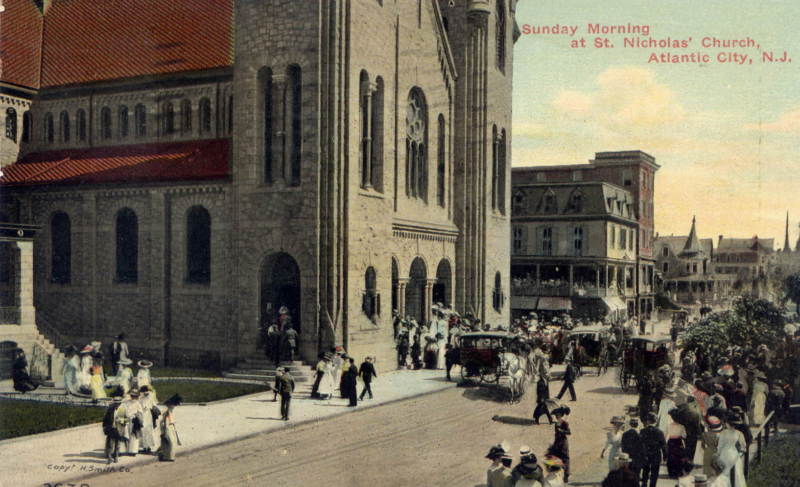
(726, 135)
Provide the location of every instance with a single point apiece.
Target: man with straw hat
(621, 475)
(527, 472)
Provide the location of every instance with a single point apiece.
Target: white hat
(524, 450)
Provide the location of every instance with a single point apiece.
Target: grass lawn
(20, 418)
(204, 391)
(778, 466)
(180, 372)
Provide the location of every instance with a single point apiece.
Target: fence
(760, 440)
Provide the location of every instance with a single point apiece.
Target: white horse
(514, 368)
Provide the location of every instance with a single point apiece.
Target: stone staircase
(262, 369)
(35, 345)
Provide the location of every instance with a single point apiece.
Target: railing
(564, 290)
(761, 440)
(52, 334)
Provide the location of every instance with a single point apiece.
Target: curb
(289, 425)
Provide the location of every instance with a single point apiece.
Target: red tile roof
(97, 40)
(20, 43)
(170, 161)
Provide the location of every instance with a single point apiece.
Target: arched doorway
(280, 286)
(415, 291)
(443, 286)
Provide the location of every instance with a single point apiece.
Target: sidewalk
(73, 453)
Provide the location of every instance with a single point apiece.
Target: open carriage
(593, 342)
(493, 358)
(642, 355)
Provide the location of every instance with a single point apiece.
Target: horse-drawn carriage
(642, 355)
(593, 345)
(494, 358)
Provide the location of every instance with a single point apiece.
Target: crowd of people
(278, 337)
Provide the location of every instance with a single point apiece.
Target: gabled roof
(745, 244)
(171, 161)
(676, 244)
(20, 43)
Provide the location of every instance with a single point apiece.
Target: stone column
(27, 313)
(597, 278)
(401, 297)
(367, 140)
(428, 301)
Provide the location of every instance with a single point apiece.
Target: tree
(791, 286)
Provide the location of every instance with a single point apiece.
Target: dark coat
(653, 443)
(349, 380)
(542, 390)
(284, 384)
(108, 420)
(632, 445)
(571, 373)
(367, 371)
(622, 477)
(523, 472)
(690, 420)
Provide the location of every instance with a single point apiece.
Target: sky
(727, 136)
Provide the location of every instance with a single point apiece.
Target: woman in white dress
(143, 374)
(135, 423)
(730, 453)
(149, 439)
(613, 441)
(85, 373)
(336, 372)
(326, 385)
(71, 370)
(665, 406)
(758, 399)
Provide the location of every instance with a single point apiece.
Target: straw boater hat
(622, 457)
(700, 480)
(144, 364)
(714, 424)
(525, 450)
(617, 420)
(125, 361)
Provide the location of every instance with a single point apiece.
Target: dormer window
(549, 202)
(576, 202)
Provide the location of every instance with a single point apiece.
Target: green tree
(791, 286)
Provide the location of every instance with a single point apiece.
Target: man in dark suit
(285, 387)
(570, 376)
(632, 445)
(654, 446)
(367, 372)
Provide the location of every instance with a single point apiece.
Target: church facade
(203, 163)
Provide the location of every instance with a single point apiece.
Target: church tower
(482, 35)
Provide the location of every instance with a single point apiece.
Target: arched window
(80, 120)
(520, 202)
(365, 100)
(501, 172)
(186, 116)
(441, 165)
(371, 304)
(377, 135)
(123, 121)
(498, 297)
(205, 116)
(495, 156)
(105, 123)
(501, 35)
(60, 248)
(140, 119)
(417, 145)
(549, 202)
(63, 120)
(49, 129)
(575, 202)
(265, 93)
(168, 118)
(27, 126)
(127, 230)
(11, 124)
(295, 136)
(198, 246)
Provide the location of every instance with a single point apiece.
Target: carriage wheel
(489, 376)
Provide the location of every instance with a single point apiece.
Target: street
(436, 439)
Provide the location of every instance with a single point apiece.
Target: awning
(554, 304)
(168, 161)
(523, 302)
(613, 303)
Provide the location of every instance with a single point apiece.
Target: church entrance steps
(262, 369)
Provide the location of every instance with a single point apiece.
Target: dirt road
(438, 439)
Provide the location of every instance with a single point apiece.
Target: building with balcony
(582, 236)
(742, 264)
(685, 267)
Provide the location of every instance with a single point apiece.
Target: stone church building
(193, 165)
